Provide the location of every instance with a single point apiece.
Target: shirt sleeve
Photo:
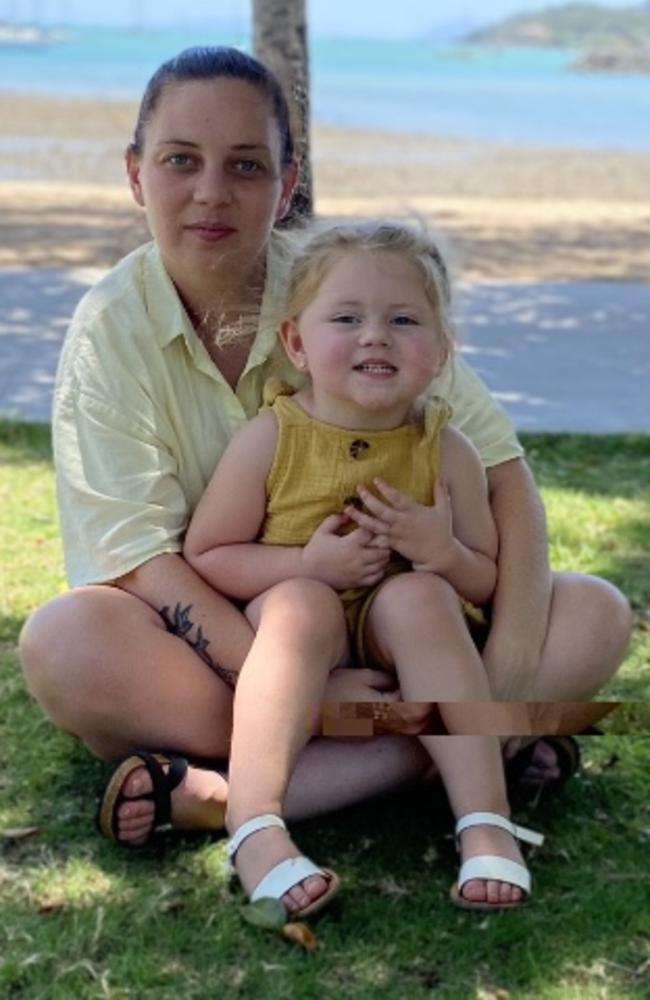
(477, 414)
(119, 497)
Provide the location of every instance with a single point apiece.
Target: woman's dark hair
(209, 63)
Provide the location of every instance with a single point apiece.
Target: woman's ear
(292, 343)
(133, 173)
(289, 182)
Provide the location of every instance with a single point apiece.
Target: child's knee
(416, 597)
(310, 607)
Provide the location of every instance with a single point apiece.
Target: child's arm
(456, 537)
(220, 542)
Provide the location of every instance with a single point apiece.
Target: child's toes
(301, 895)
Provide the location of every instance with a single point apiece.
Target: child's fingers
(376, 506)
(394, 496)
(379, 542)
(371, 524)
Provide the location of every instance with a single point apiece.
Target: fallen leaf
(267, 913)
(391, 888)
(300, 934)
(48, 906)
(20, 832)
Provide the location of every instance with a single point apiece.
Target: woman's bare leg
(104, 668)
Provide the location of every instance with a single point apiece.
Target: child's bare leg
(416, 624)
(471, 768)
(300, 639)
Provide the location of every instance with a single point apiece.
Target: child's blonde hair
(315, 257)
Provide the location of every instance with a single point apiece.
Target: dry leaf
(300, 934)
(391, 888)
(50, 906)
(20, 832)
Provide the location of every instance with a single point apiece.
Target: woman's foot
(481, 840)
(197, 803)
(261, 851)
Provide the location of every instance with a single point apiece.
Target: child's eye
(345, 318)
(403, 320)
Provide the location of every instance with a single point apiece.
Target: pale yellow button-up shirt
(142, 415)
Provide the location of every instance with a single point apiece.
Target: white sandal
(284, 875)
(491, 866)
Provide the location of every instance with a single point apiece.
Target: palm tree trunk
(280, 42)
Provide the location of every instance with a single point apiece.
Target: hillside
(575, 26)
(608, 39)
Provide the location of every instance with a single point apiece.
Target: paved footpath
(569, 356)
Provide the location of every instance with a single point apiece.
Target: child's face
(370, 340)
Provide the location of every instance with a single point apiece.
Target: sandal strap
(494, 819)
(284, 876)
(491, 866)
(162, 784)
(249, 827)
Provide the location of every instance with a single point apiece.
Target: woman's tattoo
(179, 623)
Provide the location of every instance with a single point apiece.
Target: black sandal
(568, 761)
(163, 784)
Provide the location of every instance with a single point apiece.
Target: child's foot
(198, 802)
(265, 849)
(269, 864)
(481, 840)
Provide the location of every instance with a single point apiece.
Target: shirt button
(358, 447)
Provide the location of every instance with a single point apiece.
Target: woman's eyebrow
(178, 142)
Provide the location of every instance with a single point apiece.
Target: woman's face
(211, 180)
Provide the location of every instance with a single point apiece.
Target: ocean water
(525, 96)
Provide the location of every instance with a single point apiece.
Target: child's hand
(419, 533)
(343, 561)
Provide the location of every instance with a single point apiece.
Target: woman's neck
(225, 317)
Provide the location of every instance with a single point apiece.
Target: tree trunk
(280, 42)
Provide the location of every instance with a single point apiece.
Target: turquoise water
(529, 96)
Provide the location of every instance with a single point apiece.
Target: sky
(341, 18)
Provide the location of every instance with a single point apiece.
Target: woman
(151, 386)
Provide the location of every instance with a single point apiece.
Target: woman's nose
(213, 187)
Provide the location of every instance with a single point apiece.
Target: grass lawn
(82, 919)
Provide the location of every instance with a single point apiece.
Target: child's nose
(374, 332)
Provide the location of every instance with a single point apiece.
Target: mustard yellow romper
(317, 468)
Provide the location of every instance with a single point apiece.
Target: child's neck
(350, 416)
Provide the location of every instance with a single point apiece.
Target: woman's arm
(470, 563)
(522, 599)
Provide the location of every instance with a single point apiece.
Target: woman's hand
(343, 561)
(362, 702)
(421, 534)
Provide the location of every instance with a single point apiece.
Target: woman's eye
(248, 167)
(180, 160)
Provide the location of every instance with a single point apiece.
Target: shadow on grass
(165, 920)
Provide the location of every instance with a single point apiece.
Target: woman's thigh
(105, 668)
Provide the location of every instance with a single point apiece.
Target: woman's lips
(211, 232)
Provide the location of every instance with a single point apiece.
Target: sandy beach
(508, 213)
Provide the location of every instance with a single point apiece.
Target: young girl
(356, 484)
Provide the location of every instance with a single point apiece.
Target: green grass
(82, 919)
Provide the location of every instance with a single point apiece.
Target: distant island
(608, 39)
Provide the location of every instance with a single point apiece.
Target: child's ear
(292, 343)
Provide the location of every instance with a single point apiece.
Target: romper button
(358, 447)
